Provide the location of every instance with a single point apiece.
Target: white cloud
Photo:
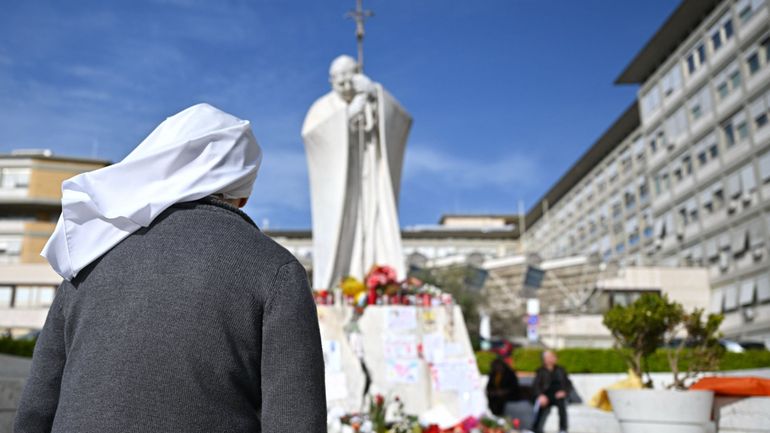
(423, 162)
(281, 185)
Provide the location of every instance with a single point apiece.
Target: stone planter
(662, 411)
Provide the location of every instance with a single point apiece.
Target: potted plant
(640, 329)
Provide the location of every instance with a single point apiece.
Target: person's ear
(242, 202)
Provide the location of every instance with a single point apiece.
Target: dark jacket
(502, 386)
(197, 323)
(544, 378)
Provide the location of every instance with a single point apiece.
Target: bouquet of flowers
(381, 281)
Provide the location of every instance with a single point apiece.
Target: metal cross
(359, 15)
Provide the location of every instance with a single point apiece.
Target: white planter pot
(661, 411)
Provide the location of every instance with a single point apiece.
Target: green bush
(10, 346)
(610, 361)
(745, 360)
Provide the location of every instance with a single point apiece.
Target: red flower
(380, 276)
(379, 400)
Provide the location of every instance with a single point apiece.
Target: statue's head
(341, 73)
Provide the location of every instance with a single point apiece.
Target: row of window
(734, 129)
(26, 297)
(726, 81)
(750, 291)
(737, 192)
(583, 196)
(706, 151)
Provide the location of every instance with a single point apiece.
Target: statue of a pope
(355, 138)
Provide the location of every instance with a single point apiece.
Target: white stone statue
(355, 138)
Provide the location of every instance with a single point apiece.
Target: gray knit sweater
(197, 323)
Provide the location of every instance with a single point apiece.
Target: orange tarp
(734, 386)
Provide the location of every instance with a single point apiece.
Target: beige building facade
(30, 194)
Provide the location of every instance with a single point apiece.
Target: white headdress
(195, 153)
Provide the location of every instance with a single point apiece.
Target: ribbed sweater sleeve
(40, 398)
(292, 370)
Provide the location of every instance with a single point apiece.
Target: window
(627, 297)
(706, 150)
(605, 247)
(759, 109)
(740, 186)
(648, 231)
(632, 230)
(13, 178)
(677, 174)
(10, 246)
(638, 147)
(686, 166)
(671, 81)
(6, 293)
(764, 167)
(612, 171)
(691, 207)
(644, 190)
(731, 298)
(34, 297)
(706, 201)
(700, 103)
(629, 198)
(625, 159)
(633, 238)
(664, 226)
(721, 32)
(599, 181)
(763, 288)
(617, 209)
(662, 182)
(747, 9)
(712, 198)
(657, 140)
(676, 125)
(695, 59)
(728, 80)
(759, 56)
(735, 129)
(651, 101)
(748, 180)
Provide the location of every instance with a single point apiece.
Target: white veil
(195, 153)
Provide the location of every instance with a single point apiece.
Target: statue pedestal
(421, 355)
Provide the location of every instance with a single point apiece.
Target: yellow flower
(352, 286)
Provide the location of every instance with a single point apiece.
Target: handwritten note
(402, 370)
(400, 318)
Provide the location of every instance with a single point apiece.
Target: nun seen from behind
(176, 314)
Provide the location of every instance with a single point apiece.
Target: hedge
(574, 360)
(611, 361)
(11, 346)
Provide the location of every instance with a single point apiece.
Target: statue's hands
(357, 106)
(357, 109)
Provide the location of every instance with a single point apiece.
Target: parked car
(732, 346)
(753, 345)
(742, 346)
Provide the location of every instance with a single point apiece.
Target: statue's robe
(354, 196)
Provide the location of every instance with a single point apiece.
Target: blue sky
(506, 94)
